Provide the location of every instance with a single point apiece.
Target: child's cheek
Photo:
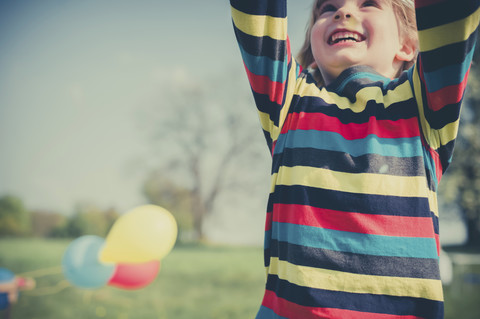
(316, 39)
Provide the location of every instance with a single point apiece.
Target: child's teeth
(345, 36)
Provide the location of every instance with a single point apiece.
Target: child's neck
(330, 77)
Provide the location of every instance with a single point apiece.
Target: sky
(77, 75)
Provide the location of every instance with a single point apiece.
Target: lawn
(194, 282)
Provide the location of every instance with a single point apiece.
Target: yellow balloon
(143, 234)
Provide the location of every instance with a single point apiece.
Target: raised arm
(261, 31)
(447, 32)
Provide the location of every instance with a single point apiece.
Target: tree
(87, 219)
(163, 192)
(14, 217)
(202, 133)
(44, 223)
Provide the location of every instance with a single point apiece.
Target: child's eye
(370, 3)
(327, 8)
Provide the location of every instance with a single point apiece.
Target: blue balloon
(5, 276)
(81, 265)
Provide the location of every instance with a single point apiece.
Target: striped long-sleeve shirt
(352, 221)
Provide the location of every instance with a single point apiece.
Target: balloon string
(40, 291)
(42, 272)
(48, 290)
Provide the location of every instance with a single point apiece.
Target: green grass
(462, 297)
(195, 282)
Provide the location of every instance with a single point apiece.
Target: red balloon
(134, 276)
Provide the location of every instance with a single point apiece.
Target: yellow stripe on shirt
(434, 38)
(360, 183)
(260, 26)
(401, 93)
(318, 278)
(435, 138)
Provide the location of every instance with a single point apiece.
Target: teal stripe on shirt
(276, 71)
(449, 75)
(360, 75)
(430, 165)
(332, 141)
(357, 243)
(267, 237)
(267, 313)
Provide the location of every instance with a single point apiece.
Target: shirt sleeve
(261, 31)
(447, 31)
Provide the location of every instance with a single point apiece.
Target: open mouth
(345, 36)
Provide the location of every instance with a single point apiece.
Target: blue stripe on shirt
(275, 70)
(366, 244)
(332, 141)
(449, 75)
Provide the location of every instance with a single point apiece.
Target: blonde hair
(404, 11)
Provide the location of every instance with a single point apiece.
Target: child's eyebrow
(320, 4)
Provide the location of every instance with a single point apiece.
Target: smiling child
(361, 130)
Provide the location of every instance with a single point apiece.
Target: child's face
(357, 32)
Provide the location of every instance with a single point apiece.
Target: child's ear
(407, 51)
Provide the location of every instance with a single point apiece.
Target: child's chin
(347, 61)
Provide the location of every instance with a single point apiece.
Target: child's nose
(342, 14)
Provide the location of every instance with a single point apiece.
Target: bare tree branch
(202, 133)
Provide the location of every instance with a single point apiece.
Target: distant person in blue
(10, 286)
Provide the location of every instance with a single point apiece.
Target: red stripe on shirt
(268, 221)
(387, 225)
(438, 164)
(402, 128)
(437, 240)
(436, 160)
(262, 84)
(448, 95)
(287, 309)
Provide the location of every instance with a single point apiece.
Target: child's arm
(16, 284)
(447, 32)
(261, 31)
(8, 287)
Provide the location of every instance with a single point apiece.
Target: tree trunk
(198, 210)
(473, 233)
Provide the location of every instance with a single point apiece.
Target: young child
(10, 286)
(358, 146)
